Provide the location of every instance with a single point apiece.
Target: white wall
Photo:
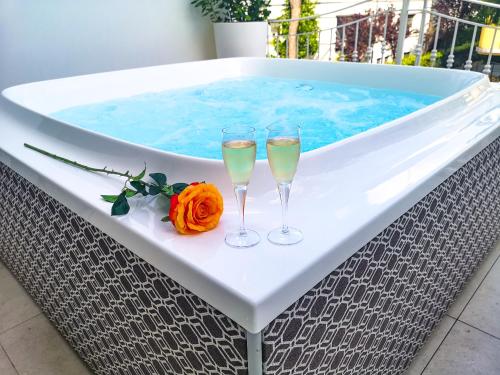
(44, 39)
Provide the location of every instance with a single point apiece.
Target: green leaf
(154, 190)
(120, 207)
(129, 193)
(168, 190)
(159, 178)
(165, 219)
(139, 186)
(141, 175)
(179, 187)
(110, 198)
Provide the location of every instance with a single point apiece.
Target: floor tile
(459, 305)
(16, 305)
(431, 345)
(483, 311)
(466, 351)
(5, 365)
(36, 348)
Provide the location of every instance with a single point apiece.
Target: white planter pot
(240, 39)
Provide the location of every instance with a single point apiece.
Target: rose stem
(78, 165)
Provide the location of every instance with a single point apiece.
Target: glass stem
(284, 189)
(241, 195)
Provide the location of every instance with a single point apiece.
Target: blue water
(189, 121)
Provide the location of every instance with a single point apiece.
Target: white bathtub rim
(257, 312)
(482, 81)
(10, 92)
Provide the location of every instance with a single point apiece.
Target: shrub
(409, 59)
(234, 10)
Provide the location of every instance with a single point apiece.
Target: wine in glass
(239, 151)
(283, 152)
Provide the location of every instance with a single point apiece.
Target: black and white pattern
(119, 313)
(373, 313)
(369, 316)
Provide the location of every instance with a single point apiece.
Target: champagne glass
(283, 152)
(239, 151)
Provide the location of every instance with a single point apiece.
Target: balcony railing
(332, 43)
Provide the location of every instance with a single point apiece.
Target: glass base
(278, 237)
(249, 239)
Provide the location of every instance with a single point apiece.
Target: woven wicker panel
(374, 312)
(118, 312)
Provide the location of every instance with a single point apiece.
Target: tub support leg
(254, 347)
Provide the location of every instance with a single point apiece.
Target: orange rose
(197, 209)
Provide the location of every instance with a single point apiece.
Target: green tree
(463, 10)
(307, 31)
(474, 12)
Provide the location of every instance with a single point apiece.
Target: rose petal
(199, 208)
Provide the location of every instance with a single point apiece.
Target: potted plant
(489, 40)
(240, 26)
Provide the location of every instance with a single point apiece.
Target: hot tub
(395, 220)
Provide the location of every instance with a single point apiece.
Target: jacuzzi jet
(304, 87)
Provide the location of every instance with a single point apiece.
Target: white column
(403, 24)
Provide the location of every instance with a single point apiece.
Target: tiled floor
(467, 341)
(29, 345)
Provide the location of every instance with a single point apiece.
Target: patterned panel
(373, 313)
(119, 313)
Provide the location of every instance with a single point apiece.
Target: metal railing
(328, 37)
(332, 42)
(322, 34)
(451, 57)
(322, 14)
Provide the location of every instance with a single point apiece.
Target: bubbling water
(189, 120)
